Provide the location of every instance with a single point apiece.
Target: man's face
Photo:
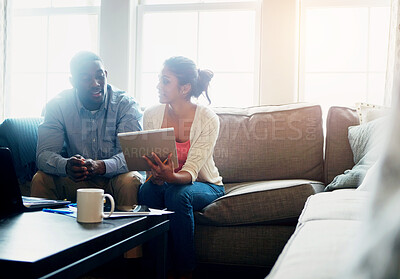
(90, 83)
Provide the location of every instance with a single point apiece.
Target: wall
(114, 40)
(278, 75)
(279, 50)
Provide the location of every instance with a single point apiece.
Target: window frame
(49, 11)
(142, 9)
(305, 4)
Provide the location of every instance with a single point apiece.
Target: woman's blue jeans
(183, 200)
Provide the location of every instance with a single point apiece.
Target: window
(44, 35)
(343, 51)
(217, 35)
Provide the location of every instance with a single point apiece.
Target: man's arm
(50, 143)
(131, 119)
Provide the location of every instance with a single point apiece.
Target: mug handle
(112, 205)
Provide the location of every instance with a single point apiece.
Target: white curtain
(376, 249)
(3, 49)
(393, 60)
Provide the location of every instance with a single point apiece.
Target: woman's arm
(202, 147)
(200, 151)
(165, 171)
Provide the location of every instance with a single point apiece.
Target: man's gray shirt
(91, 134)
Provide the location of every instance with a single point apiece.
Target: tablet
(136, 144)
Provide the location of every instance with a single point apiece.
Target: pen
(148, 178)
(60, 211)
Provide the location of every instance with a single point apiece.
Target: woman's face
(168, 87)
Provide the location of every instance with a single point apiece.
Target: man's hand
(79, 169)
(95, 168)
(76, 169)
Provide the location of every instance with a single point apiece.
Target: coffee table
(49, 245)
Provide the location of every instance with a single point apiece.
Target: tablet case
(142, 143)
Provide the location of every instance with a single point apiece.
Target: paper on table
(71, 212)
(138, 213)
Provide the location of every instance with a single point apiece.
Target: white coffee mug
(90, 204)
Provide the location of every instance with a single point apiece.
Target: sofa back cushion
(20, 136)
(270, 142)
(338, 154)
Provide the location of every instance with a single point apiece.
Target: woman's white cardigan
(203, 136)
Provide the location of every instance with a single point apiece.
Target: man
(82, 124)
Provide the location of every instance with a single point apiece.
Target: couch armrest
(20, 135)
(338, 154)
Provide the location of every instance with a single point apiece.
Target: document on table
(117, 214)
(71, 211)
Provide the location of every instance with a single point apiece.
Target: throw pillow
(365, 138)
(368, 112)
(365, 142)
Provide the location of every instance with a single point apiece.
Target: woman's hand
(154, 180)
(161, 171)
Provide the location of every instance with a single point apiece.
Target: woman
(196, 182)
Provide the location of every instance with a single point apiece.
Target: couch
(271, 159)
(20, 135)
(330, 223)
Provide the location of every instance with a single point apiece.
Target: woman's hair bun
(204, 79)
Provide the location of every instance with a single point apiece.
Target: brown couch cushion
(241, 245)
(270, 142)
(338, 154)
(263, 202)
